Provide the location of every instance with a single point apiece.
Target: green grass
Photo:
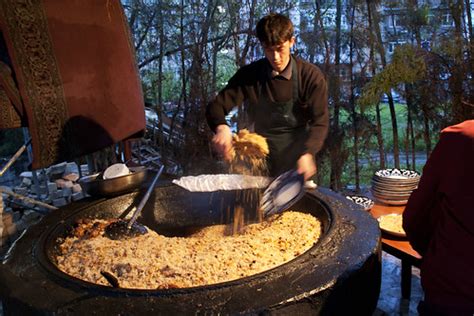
(368, 158)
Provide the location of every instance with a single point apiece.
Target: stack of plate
(394, 186)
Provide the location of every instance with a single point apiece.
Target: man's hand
(222, 142)
(306, 166)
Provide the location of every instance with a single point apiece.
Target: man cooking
(285, 98)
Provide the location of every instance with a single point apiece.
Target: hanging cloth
(10, 100)
(75, 67)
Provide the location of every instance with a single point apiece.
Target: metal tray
(94, 185)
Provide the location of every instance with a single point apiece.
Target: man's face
(279, 55)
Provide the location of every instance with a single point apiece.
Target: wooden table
(398, 247)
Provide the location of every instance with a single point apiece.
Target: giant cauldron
(339, 275)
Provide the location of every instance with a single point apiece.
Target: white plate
(283, 192)
(392, 224)
(397, 174)
(392, 202)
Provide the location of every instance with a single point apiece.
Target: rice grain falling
(250, 151)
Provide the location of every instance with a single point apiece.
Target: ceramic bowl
(363, 201)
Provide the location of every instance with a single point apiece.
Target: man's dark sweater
(257, 77)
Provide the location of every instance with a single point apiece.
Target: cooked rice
(392, 223)
(249, 153)
(212, 255)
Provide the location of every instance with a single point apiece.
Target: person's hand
(306, 166)
(222, 142)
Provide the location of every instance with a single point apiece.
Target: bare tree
(372, 42)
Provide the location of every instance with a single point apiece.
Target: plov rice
(212, 255)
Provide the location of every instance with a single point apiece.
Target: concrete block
(67, 192)
(76, 188)
(20, 190)
(27, 205)
(26, 182)
(71, 167)
(26, 174)
(56, 195)
(60, 168)
(61, 183)
(71, 177)
(77, 196)
(84, 170)
(52, 187)
(68, 184)
(41, 175)
(59, 202)
(43, 189)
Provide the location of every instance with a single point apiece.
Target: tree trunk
(391, 105)
(393, 117)
(353, 109)
(407, 141)
(470, 51)
(372, 43)
(410, 106)
(323, 36)
(421, 87)
(159, 105)
(461, 112)
(337, 134)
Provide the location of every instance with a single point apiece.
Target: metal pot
(94, 185)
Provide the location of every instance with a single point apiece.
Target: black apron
(283, 125)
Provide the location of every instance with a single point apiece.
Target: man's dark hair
(274, 29)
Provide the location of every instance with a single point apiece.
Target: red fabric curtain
(76, 72)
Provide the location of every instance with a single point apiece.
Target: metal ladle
(123, 229)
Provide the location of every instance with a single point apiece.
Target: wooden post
(26, 199)
(127, 150)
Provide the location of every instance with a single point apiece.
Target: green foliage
(422, 15)
(417, 17)
(226, 68)
(195, 31)
(406, 67)
(367, 149)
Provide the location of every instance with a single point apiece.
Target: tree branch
(184, 47)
